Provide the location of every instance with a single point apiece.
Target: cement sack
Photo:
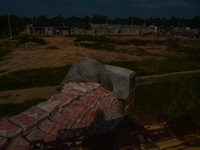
(78, 92)
(74, 113)
(88, 101)
(67, 135)
(98, 99)
(19, 144)
(60, 101)
(48, 107)
(70, 96)
(87, 121)
(37, 134)
(3, 142)
(24, 121)
(90, 85)
(78, 128)
(67, 120)
(36, 113)
(52, 127)
(9, 130)
(76, 105)
(78, 86)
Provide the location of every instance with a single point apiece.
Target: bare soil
(67, 53)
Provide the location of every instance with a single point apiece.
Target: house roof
(61, 25)
(78, 25)
(42, 25)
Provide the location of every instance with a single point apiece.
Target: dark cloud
(112, 8)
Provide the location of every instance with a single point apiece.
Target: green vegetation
(30, 78)
(152, 67)
(33, 78)
(95, 42)
(4, 96)
(51, 47)
(26, 39)
(169, 97)
(11, 109)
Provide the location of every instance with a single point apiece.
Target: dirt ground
(67, 53)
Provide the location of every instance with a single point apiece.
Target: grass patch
(169, 98)
(51, 47)
(33, 78)
(95, 42)
(152, 67)
(26, 39)
(11, 109)
(91, 38)
(5, 96)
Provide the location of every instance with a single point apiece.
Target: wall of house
(116, 31)
(48, 31)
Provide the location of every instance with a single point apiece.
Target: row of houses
(106, 29)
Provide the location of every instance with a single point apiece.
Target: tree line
(18, 23)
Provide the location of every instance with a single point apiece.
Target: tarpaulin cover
(51, 127)
(67, 120)
(8, 129)
(90, 70)
(37, 134)
(36, 113)
(19, 144)
(3, 142)
(48, 107)
(86, 70)
(24, 121)
(74, 113)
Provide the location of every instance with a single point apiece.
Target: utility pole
(132, 27)
(178, 28)
(9, 27)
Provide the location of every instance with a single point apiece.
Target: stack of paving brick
(80, 109)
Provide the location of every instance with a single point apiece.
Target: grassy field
(169, 97)
(11, 109)
(33, 78)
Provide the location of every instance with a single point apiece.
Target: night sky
(112, 8)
